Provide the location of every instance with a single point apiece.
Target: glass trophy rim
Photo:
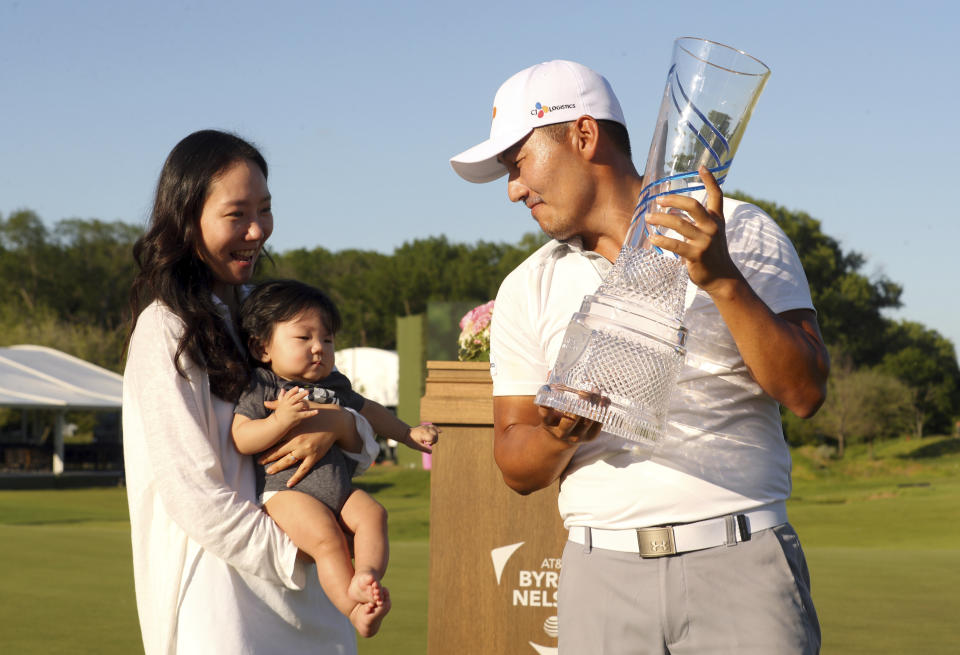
(683, 39)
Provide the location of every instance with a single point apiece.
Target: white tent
(35, 377)
(373, 372)
(39, 378)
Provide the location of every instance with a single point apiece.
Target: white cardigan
(213, 573)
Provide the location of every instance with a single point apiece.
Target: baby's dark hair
(276, 301)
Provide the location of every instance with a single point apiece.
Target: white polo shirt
(724, 449)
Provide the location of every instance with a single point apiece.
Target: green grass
(882, 539)
(405, 492)
(881, 533)
(66, 580)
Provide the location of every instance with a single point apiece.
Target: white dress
(213, 573)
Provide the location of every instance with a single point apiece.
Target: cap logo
(540, 109)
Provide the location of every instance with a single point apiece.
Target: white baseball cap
(552, 92)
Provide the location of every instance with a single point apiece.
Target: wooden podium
(494, 554)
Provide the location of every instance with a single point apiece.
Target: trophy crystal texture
(622, 352)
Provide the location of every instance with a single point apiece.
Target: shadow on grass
(932, 450)
(50, 521)
(820, 501)
(372, 487)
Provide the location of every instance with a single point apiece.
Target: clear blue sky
(358, 106)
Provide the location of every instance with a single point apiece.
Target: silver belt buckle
(656, 542)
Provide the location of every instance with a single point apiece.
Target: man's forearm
(530, 458)
(784, 353)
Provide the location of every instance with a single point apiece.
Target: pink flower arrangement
(474, 338)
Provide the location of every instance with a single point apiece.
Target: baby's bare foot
(367, 617)
(364, 588)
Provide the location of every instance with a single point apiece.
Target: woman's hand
(309, 441)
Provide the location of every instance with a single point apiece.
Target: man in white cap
(683, 547)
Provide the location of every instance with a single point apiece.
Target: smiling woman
(235, 221)
(213, 573)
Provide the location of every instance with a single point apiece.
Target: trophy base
(618, 419)
(618, 367)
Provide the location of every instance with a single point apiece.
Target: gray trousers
(753, 597)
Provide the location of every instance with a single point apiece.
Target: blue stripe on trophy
(721, 167)
(706, 121)
(646, 199)
(693, 129)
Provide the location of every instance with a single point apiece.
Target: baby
(289, 328)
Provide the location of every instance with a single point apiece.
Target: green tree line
(888, 377)
(371, 289)
(66, 287)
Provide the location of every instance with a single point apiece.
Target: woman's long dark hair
(171, 270)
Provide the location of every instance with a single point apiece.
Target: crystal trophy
(622, 352)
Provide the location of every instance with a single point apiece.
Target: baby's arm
(256, 435)
(386, 424)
